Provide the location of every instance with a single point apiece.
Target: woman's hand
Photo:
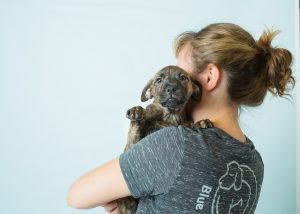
(111, 207)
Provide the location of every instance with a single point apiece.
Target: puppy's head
(171, 87)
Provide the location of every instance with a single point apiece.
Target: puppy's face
(171, 87)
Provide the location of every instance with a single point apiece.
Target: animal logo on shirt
(237, 190)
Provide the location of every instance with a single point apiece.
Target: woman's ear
(210, 77)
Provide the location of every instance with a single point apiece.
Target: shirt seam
(126, 178)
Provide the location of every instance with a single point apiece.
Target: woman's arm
(98, 187)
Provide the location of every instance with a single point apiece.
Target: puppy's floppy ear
(197, 90)
(146, 94)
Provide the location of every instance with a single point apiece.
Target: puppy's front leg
(153, 111)
(138, 118)
(141, 115)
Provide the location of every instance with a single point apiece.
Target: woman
(188, 170)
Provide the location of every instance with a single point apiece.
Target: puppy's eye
(158, 80)
(182, 77)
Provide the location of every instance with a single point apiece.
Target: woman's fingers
(111, 207)
(115, 211)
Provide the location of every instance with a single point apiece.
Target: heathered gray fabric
(184, 170)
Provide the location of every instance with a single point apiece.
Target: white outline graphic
(239, 185)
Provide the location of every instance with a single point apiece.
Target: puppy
(170, 88)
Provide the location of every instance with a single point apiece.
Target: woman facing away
(187, 170)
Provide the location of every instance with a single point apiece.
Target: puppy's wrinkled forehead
(171, 72)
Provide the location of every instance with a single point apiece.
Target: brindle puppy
(171, 88)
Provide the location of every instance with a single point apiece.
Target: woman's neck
(223, 115)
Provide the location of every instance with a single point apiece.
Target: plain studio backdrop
(69, 70)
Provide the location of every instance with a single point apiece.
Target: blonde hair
(253, 67)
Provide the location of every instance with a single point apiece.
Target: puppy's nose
(171, 89)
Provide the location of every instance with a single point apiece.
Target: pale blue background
(69, 70)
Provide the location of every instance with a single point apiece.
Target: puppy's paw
(204, 124)
(135, 113)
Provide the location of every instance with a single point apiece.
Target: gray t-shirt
(189, 170)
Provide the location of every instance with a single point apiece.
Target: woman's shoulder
(163, 139)
(179, 133)
(166, 132)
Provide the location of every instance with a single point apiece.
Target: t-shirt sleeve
(151, 166)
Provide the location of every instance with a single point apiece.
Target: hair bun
(264, 42)
(278, 64)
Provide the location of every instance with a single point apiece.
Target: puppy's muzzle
(173, 96)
